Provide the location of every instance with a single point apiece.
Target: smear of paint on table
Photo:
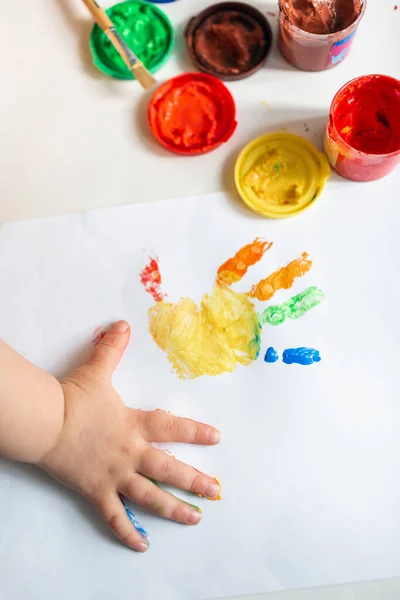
(294, 308)
(151, 279)
(282, 279)
(271, 355)
(301, 356)
(235, 268)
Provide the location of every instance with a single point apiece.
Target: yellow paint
(280, 174)
(207, 340)
(282, 279)
(218, 497)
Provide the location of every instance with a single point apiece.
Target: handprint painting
(224, 331)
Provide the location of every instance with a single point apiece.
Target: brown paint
(322, 16)
(315, 35)
(230, 40)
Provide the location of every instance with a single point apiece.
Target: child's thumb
(108, 352)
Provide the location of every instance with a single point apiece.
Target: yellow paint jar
(280, 174)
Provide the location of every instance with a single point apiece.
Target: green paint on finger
(294, 308)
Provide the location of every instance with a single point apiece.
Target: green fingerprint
(294, 308)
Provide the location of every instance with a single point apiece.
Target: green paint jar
(146, 30)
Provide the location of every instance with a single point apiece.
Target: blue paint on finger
(134, 521)
(301, 356)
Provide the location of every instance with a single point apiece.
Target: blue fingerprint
(271, 355)
(134, 521)
(301, 356)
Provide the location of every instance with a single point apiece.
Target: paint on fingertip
(194, 505)
(218, 497)
(271, 355)
(168, 452)
(98, 335)
(134, 521)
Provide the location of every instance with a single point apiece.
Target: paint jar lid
(144, 27)
(192, 114)
(280, 174)
(230, 40)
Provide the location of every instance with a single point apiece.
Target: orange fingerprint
(235, 268)
(281, 279)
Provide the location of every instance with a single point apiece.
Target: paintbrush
(133, 63)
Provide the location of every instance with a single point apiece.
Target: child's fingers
(160, 426)
(145, 493)
(108, 352)
(161, 467)
(113, 512)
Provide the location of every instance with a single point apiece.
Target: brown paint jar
(230, 40)
(314, 51)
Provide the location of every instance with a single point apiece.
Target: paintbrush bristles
(143, 76)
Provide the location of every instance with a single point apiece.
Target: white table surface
(72, 139)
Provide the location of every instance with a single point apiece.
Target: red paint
(396, 7)
(98, 335)
(363, 133)
(192, 114)
(151, 279)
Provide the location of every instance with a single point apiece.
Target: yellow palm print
(225, 330)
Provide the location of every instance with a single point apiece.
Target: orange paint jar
(192, 114)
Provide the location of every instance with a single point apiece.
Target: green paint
(144, 27)
(293, 308)
(192, 505)
(157, 483)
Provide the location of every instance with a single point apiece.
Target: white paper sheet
(310, 455)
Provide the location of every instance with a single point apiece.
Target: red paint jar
(192, 114)
(362, 138)
(314, 51)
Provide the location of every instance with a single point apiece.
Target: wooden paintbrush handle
(103, 21)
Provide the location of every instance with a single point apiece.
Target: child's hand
(104, 448)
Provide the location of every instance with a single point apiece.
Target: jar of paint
(280, 174)
(315, 35)
(192, 114)
(362, 138)
(144, 27)
(230, 40)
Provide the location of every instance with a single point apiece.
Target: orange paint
(219, 497)
(235, 268)
(192, 113)
(188, 116)
(282, 279)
